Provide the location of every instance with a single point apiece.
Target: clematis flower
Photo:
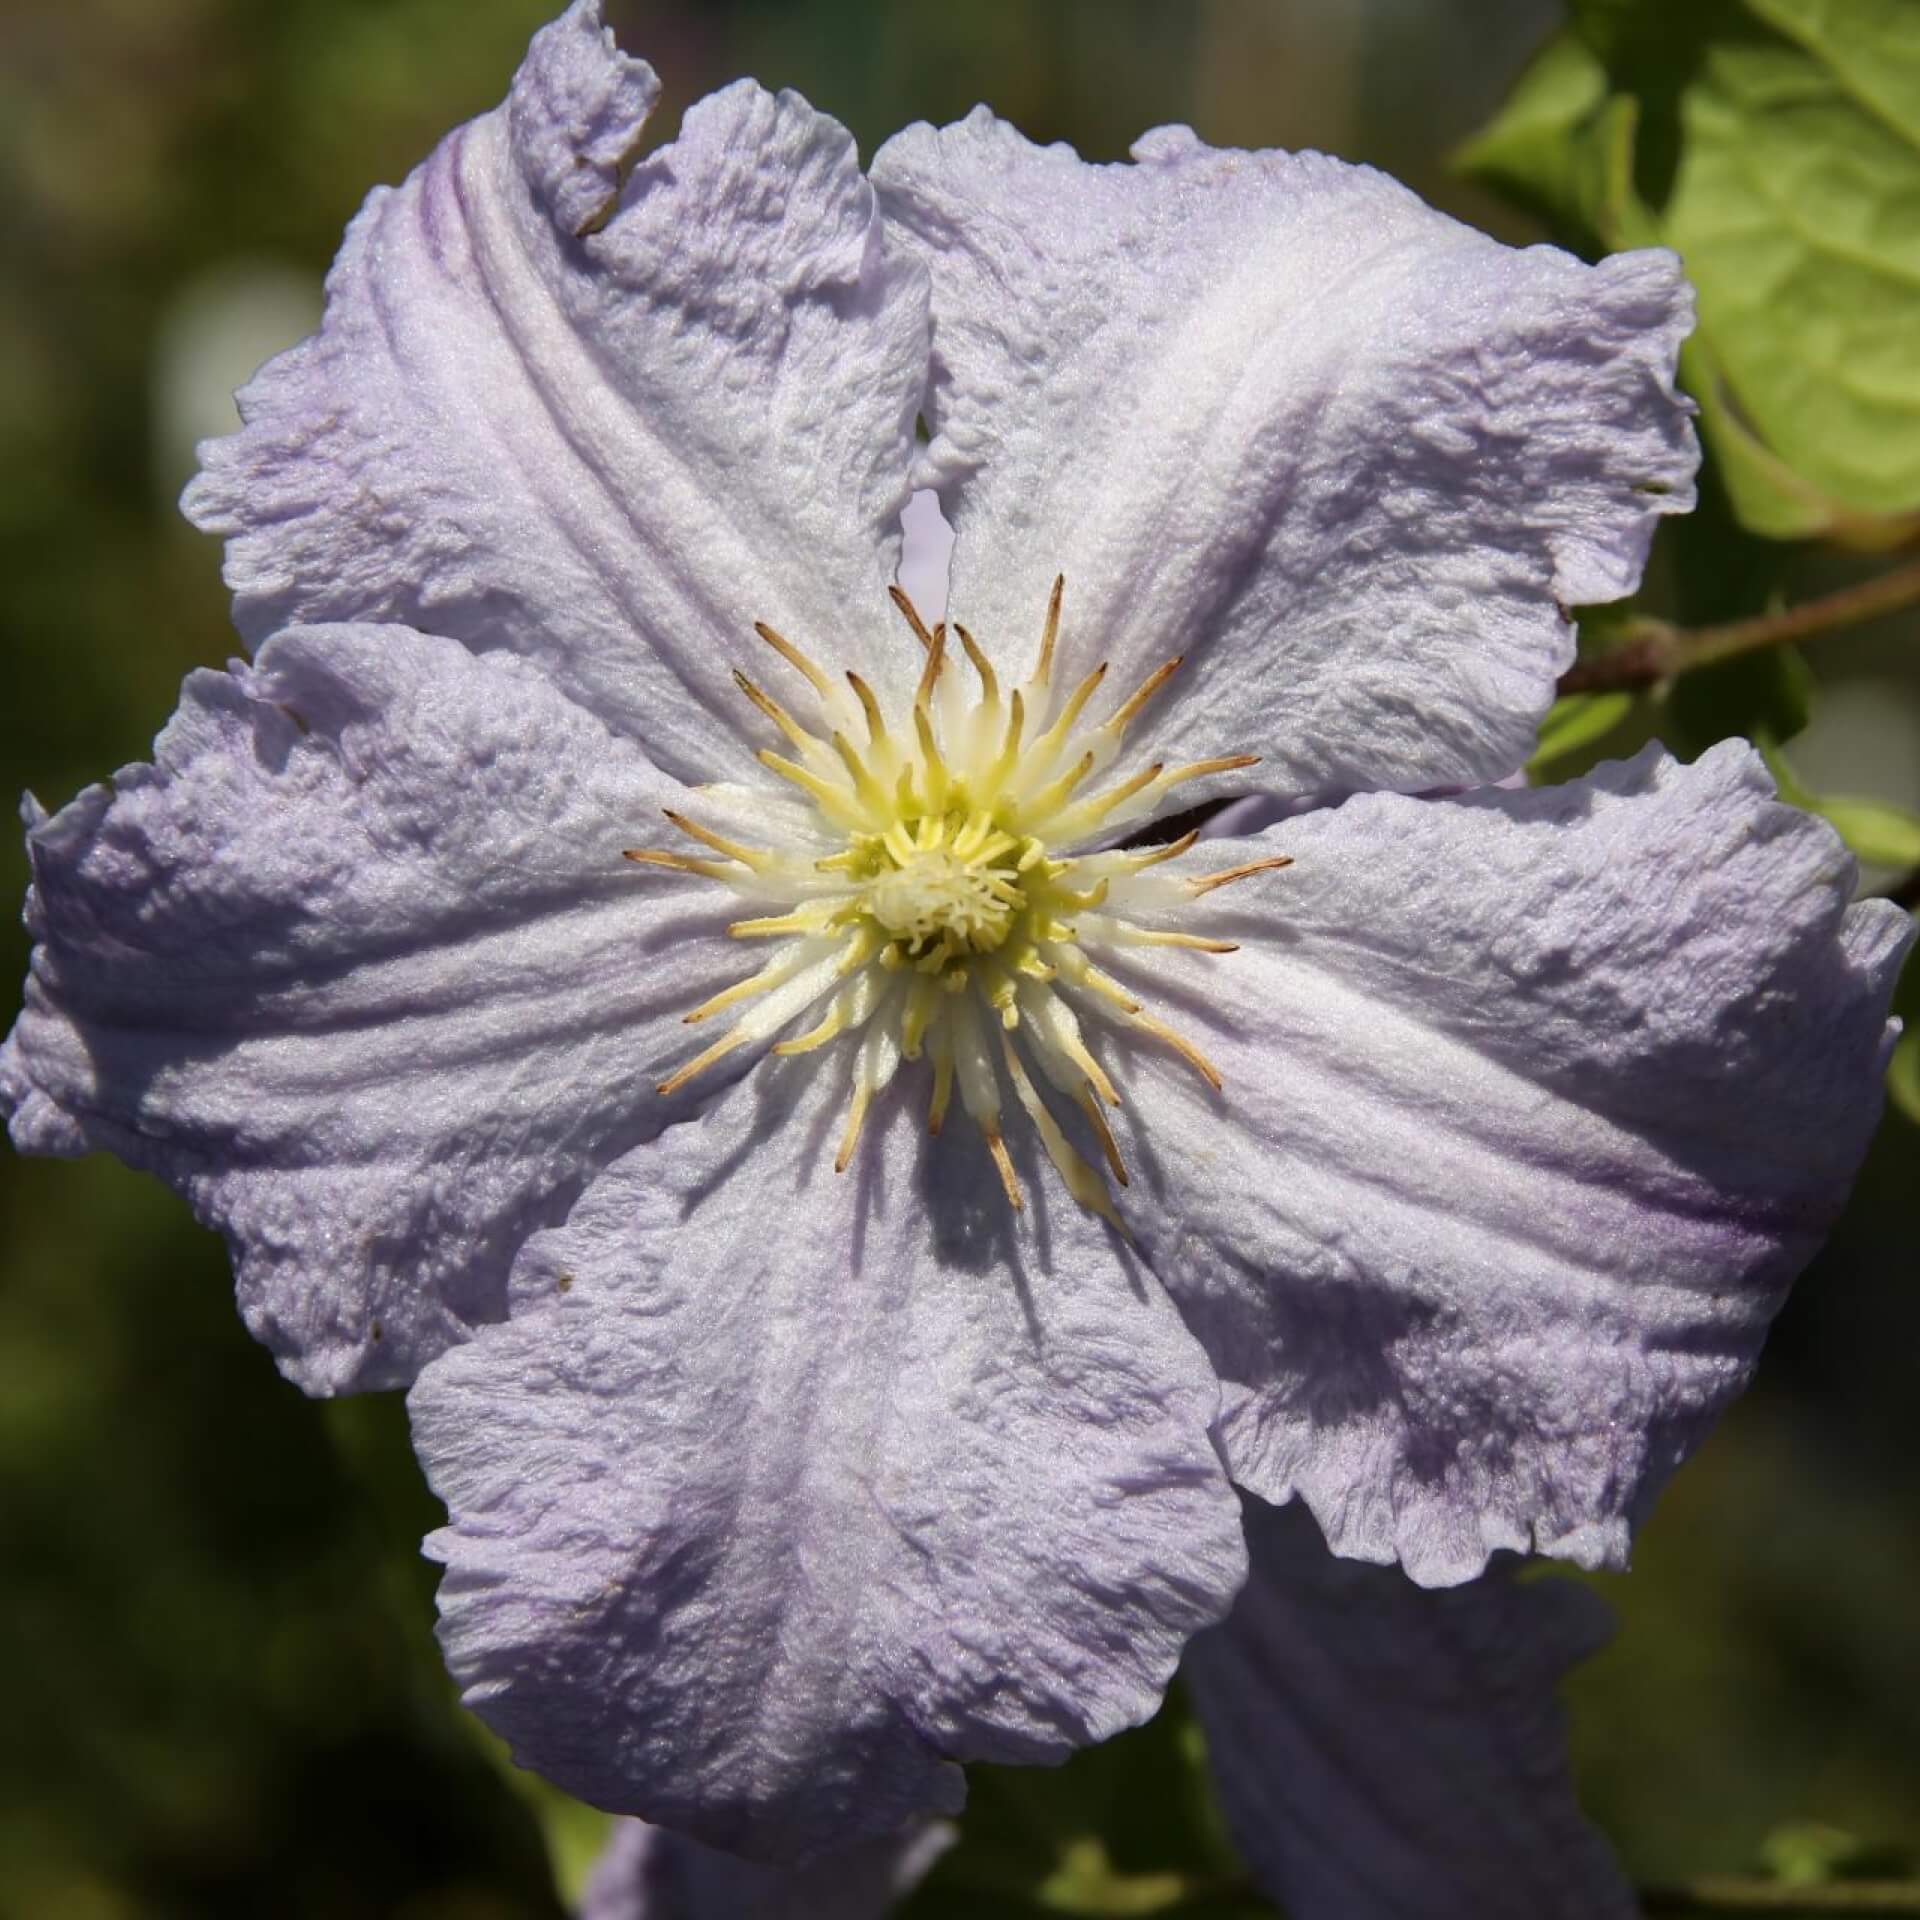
(855, 1382)
(1383, 1750)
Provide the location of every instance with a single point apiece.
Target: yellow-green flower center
(944, 887)
(952, 916)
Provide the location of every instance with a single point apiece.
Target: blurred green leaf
(1576, 722)
(1531, 150)
(1125, 1828)
(1903, 1075)
(1888, 836)
(1811, 1853)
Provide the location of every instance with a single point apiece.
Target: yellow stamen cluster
(953, 920)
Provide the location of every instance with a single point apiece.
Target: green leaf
(1796, 204)
(1529, 149)
(1577, 721)
(574, 1832)
(1124, 1828)
(1885, 835)
(1776, 145)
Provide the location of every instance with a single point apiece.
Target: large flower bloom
(810, 1424)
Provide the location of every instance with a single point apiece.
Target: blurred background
(220, 1692)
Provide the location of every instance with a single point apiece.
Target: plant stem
(1657, 651)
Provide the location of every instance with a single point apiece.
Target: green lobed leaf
(1797, 209)
(1776, 145)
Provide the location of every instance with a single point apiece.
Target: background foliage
(222, 1695)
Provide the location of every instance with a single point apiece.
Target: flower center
(941, 907)
(946, 891)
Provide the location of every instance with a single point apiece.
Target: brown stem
(1657, 651)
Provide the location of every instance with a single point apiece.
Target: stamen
(1104, 1134)
(1090, 812)
(989, 686)
(934, 765)
(1049, 742)
(942, 1080)
(1004, 1166)
(930, 673)
(775, 712)
(1206, 882)
(794, 658)
(1154, 855)
(1195, 769)
(1050, 797)
(876, 726)
(747, 856)
(898, 595)
(1050, 632)
(1082, 1182)
(833, 1024)
(864, 784)
(1187, 1051)
(680, 862)
(856, 1118)
(1147, 688)
(774, 973)
(834, 801)
(702, 1061)
(1125, 935)
(813, 919)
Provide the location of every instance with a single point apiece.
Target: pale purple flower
(1384, 1751)
(778, 1491)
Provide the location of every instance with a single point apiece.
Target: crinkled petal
(1269, 411)
(356, 965)
(610, 444)
(1385, 1752)
(783, 1491)
(649, 1873)
(1534, 1104)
